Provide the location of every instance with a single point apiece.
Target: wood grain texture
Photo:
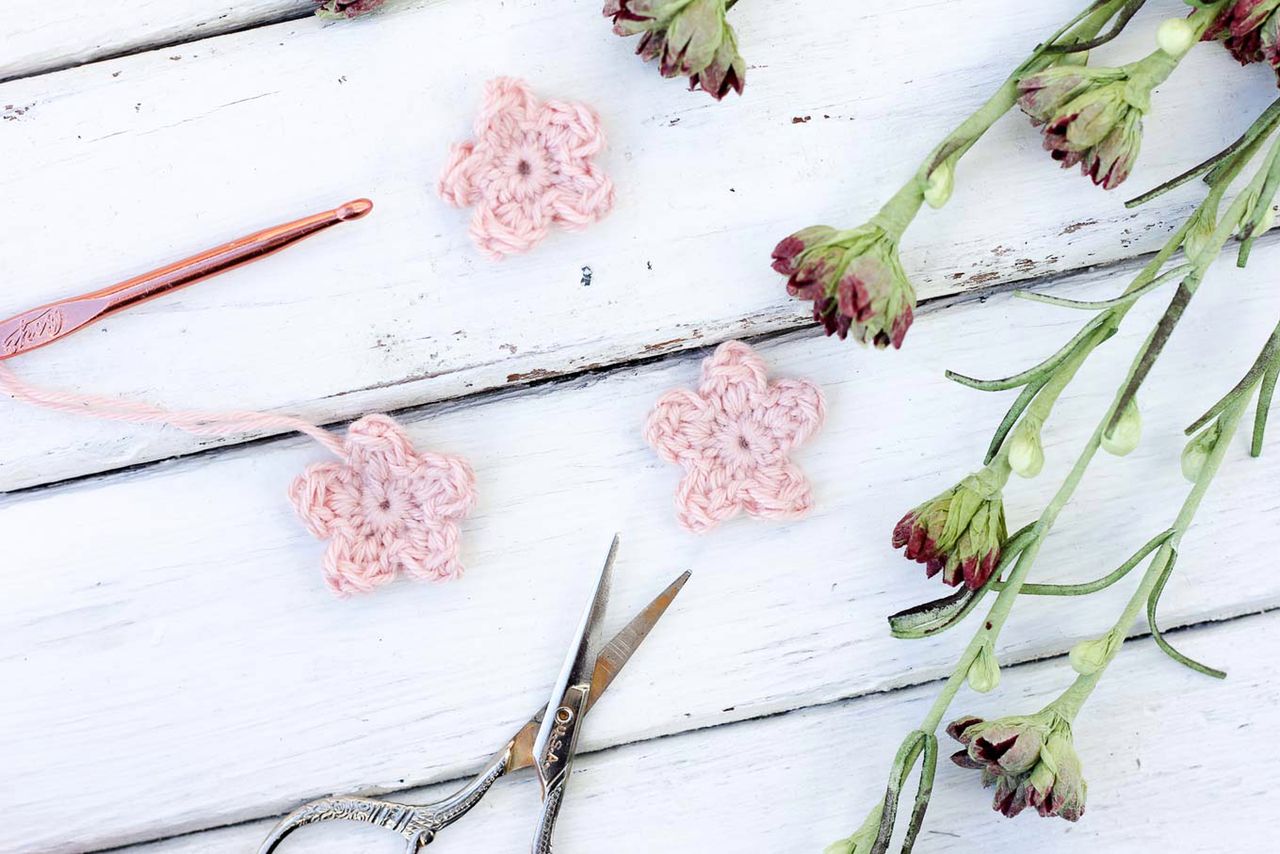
(49, 36)
(120, 165)
(1172, 760)
(169, 635)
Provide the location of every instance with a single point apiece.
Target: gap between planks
(403, 335)
(1088, 275)
(1247, 626)
(95, 604)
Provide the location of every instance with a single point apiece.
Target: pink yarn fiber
(385, 508)
(733, 437)
(530, 166)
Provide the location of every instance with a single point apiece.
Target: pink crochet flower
(529, 166)
(385, 508)
(733, 436)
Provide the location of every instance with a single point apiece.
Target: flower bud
(1092, 117)
(1030, 759)
(1088, 657)
(984, 672)
(1026, 453)
(1198, 450)
(1124, 437)
(1175, 36)
(959, 533)
(1199, 237)
(854, 279)
(688, 38)
(939, 184)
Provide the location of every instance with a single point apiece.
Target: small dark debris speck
(799, 120)
(586, 276)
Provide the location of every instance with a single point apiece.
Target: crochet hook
(48, 323)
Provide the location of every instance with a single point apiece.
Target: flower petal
(430, 551)
(570, 129)
(509, 228)
(509, 105)
(704, 500)
(446, 486)
(796, 413)
(680, 426)
(580, 197)
(311, 494)
(734, 369)
(778, 492)
(457, 184)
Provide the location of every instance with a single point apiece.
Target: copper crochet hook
(46, 324)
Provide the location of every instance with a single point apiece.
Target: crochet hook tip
(354, 209)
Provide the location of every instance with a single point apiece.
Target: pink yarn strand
(197, 422)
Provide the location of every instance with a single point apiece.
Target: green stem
(1130, 9)
(999, 612)
(897, 213)
(1097, 584)
(1159, 336)
(1230, 420)
(1260, 127)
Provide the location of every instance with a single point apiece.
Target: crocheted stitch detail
(385, 508)
(530, 166)
(733, 436)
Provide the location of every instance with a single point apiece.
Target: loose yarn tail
(197, 422)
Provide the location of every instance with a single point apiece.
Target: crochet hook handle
(48, 323)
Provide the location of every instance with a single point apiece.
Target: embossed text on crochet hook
(33, 331)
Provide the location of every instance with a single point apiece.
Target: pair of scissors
(547, 742)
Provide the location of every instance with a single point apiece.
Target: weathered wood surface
(45, 37)
(171, 661)
(214, 677)
(120, 165)
(1173, 762)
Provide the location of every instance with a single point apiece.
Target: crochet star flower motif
(733, 437)
(385, 508)
(529, 167)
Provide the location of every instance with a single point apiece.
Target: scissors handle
(558, 761)
(418, 824)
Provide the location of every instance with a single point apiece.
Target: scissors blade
(609, 664)
(580, 664)
(618, 652)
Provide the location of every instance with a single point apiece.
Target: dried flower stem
(1156, 573)
(1013, 584)
(1049, 379)
(898, 212)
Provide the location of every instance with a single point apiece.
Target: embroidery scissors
(37, 327)
(547, 742)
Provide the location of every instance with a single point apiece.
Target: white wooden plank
(167, 633)
(49, 36)
(119, 165)
(1172, 760)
